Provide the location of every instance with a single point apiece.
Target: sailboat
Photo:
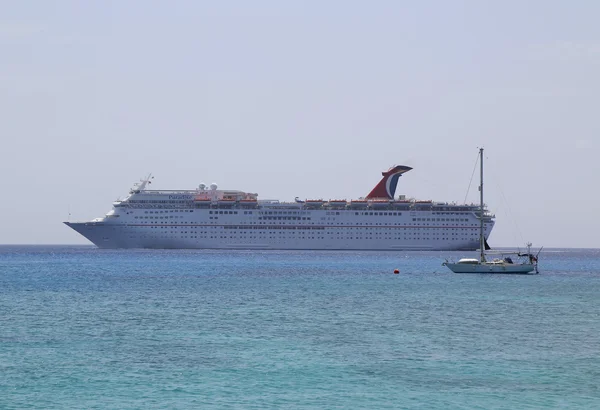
(526, 262)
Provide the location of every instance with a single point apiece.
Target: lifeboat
(314, 202)
(379, 203)
(226, 201)
(358, 204)
(248, 203)
(402, 204)
(338, 202)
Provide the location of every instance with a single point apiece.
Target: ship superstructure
(211, 218)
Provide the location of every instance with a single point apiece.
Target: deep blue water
(87, 328)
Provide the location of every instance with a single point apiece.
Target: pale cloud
(19, 30)
(583, 144)
(565, 50)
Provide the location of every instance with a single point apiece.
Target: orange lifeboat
(359, 203)
(379, 203)
(338, 202)
(314, 202)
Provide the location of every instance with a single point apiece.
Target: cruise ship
(211, 218)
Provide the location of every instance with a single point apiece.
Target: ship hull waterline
(109, 236)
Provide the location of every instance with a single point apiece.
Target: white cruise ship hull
(197, 236)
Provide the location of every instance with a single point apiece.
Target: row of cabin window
(166, 212)
(156, 201)
(285, 218)
(376, 213)
(159, 217)
(441, 219)
(227, 212)
(302, 237)
(283, 212)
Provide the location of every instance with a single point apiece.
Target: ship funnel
(386, 188)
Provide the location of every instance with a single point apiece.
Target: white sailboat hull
(508, 268)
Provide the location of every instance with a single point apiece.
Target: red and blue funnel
(386, 188)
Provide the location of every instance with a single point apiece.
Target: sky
(309, 99)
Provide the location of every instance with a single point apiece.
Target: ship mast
(144, 182)
(481, 237)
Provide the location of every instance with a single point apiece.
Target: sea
(85, 328)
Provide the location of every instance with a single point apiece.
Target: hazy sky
(307, 98)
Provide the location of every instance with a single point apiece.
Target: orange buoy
(396, 271)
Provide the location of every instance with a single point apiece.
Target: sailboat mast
(481, 237)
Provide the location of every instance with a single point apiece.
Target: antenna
(471, 181)
(144, 182)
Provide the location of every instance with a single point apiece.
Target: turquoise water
(97, 329)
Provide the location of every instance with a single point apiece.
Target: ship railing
(159, 206)
(169, 191)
